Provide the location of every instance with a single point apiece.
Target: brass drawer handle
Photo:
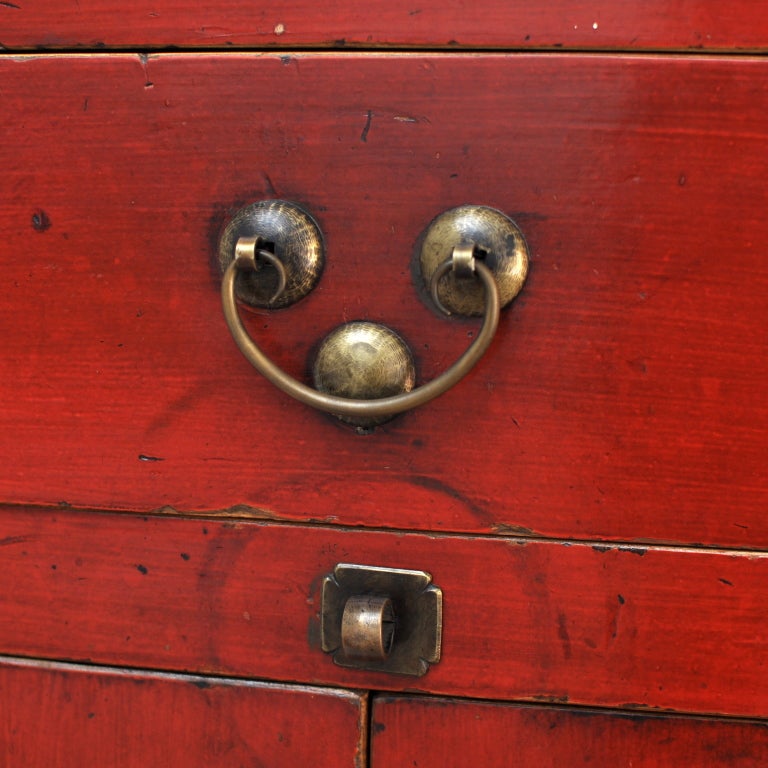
(380, 384)
(357, 409)
(381, 619)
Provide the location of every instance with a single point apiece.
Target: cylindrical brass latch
(368, 627)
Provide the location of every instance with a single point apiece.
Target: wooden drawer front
(655, 24)
(623, 397)
(437, 732)
(78, 717)
(541, 621)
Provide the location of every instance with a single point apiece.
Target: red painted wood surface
(540, 621)
(79, 717)
(623, 398)
(654, 24)
(433, 733)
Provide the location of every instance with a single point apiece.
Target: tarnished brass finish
(365, 361)
(494, 240)
(367, 627)
(291, 235)
(381, 619)
(381, 407)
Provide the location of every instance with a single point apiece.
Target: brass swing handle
(463, 262)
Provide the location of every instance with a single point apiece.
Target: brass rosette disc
(292, 235)
(498, 242)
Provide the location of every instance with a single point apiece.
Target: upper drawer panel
(623, 396)
(655, 24)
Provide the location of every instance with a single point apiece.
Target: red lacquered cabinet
(588, 502)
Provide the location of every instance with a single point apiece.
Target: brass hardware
(284, 236)
(381, 619)
(365, 361)
(493, 238)
(367, 627)
(355, 410)
(247, 252)
(271, 255)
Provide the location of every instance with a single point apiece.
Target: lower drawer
(542, 621)
(434, 733)
(66, 715)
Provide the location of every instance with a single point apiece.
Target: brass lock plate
(381, 619)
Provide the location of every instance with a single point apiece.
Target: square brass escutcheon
(381, 619)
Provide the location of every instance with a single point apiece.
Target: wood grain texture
(539, 621)
(624, 397)
(655, 24)
(66, 716)
(433, 733)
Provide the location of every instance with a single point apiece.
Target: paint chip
(279, 29)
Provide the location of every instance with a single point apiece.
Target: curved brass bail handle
(342, 406)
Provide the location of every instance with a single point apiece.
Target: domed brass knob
(364, 361)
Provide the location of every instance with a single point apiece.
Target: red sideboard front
(590, 498)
